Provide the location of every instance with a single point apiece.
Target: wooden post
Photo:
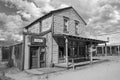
(66, 47)
(73, 64)
(118, 49)
(73, 51)
(78, 50)
(110, 50)
(96, 51)
(91, 56)
(13, 56)
(40, 23)
(73, 58)
(86, 49)
(102, 50)
(39, 57)
(23, 52)
(105, 49)
(0, 54)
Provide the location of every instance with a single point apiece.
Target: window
(61, 52)
(76, 27)
(66, 24)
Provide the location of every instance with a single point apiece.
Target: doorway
(37, 57)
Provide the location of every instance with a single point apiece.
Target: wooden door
(42, 57)
(34, 57)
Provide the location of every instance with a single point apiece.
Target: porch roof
(80, 38)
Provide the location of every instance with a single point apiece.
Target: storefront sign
(37, 40)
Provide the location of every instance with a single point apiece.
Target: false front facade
(56, 38)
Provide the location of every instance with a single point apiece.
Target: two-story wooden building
(55, 38)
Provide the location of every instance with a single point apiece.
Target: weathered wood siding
(5, 53)
(27, 52)
(34, 28)
(18, 55)
(55, 50)
(46, 23)
(41, 26)
(14, 53)
(71, 14)
(0, 53)
(48, 49)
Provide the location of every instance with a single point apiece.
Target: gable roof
(54, 11)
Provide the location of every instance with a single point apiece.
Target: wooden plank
(105, 49)
(66, 47)
(38, 57)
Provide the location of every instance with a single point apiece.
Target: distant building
(4, 50)
(113, 44)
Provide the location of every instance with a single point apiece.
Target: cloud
(105, 18)
(24, 7)
(63, 5)
(11, 25)
(102, 16)
(47, 8)
(27, 11)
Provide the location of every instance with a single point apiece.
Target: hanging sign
(37, 40)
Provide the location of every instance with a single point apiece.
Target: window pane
(76, 27)
(65, 24)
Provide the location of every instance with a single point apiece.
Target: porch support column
(91, 56)
(105, 49)
(39, 57)
(0, 54)
(110, 50)
(66, 51)
(102, 50)
(118, 50)
(73, 58)
(86, 49)
(96, 51)
(13, 57)
(78, 50)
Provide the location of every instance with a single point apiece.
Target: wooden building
(12, 54)
(113, 45)
(56, 38)
(4, 50)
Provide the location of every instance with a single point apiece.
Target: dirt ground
(100, 71)
(104, 71)
(3, 70)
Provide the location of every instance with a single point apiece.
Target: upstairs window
(76, 27)
(66, 24)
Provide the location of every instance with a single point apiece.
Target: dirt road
(104, 71)
(101, 71)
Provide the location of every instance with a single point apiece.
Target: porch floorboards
(70, 65)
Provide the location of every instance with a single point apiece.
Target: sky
(101, 16)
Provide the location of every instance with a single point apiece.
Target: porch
(112, 49)
(75, 50)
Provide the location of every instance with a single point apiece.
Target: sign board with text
(37, 40)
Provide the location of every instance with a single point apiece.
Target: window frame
(65, 29)
(77, 27)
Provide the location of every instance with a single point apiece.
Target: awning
(80, 38)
